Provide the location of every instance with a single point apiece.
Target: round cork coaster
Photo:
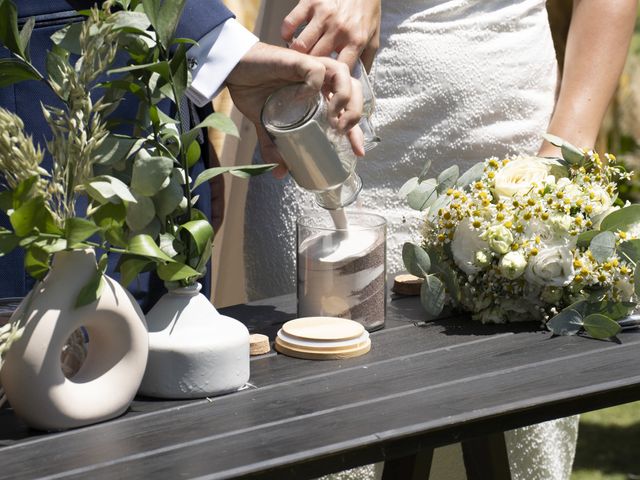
(322, 338)
(310, 354)
(258, 344)
(407, 284)
(323, 329)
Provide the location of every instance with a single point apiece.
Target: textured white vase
(194, 351)
(116, 357)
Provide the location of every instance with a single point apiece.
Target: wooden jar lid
(323, 328)
(322, 338)
(258, 344)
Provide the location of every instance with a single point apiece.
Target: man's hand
(349, 27)
(265, 68)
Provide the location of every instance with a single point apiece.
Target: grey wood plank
(423, 413)
(315, 397)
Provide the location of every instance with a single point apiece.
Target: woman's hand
(349, 27)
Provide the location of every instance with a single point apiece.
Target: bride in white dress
(457, 81)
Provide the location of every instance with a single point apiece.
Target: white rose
(552, 266)
(465, 245)
(499, 238)
(521, 173)
(512, 265)
(550, 233)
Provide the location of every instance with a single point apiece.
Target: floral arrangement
(530, 238)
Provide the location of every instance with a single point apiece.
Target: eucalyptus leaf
(584, 239)
(140, 214)
(416, 260)
(129, 19)
(114, 149)
(91, 292)
(408, 187)
(13, 70)
(150, 174)
(630, 250)
(174, 272)
(567, 322)
(68, 38)
(448, 178)
(441, 202)
(423, 195)
(600, 326)
(144, 246)
(613, 310)
(570, 153)
(168, 199)
(446, 274)
(245, 171)
(432, 296)
(623, 219)
(77, 230)
(425, 171)
(603, 246)
(106, 188)
(473, 174)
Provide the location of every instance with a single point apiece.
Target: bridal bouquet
(530, 238)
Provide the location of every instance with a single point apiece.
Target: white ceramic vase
(194, 351)
(117, 349)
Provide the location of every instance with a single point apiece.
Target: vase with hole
(117, 348)
(194, 351)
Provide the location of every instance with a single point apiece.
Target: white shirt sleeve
(213, 58)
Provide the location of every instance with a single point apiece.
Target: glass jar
(319, 158)
(342, 270)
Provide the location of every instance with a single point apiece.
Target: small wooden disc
(407, 284)
(258, 344)
(306, 354)
(323, 328)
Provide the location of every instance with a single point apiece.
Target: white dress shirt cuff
(213, 58)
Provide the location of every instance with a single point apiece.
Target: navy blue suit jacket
(199, 17)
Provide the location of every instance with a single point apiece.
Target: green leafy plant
(141, 200)
(139, 194)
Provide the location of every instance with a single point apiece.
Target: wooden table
(420, 387)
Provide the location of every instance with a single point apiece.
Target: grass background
(609, 444)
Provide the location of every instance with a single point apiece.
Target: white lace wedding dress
(456, 81)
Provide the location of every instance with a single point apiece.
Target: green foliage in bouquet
(141, 200)
(530, 238)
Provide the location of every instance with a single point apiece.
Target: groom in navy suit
(226, 54)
